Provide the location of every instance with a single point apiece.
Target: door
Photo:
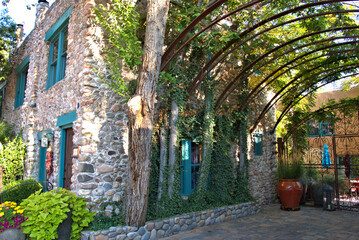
(68, 158)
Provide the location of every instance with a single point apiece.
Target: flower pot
(64, 229)
(12, 234)
(290, 191)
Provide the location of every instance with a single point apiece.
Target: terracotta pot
(290, 191)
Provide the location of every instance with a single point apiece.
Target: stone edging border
(172, 225)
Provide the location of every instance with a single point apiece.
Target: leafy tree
(7, 42)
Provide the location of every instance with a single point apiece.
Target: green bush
(20, 192)
(45, 212)
(12, 156)
(101, 221)
(6, 131)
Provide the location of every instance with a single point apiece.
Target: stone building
(70, 117)
(56, 97)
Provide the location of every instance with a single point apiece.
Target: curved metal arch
(269, 105)
(292, 103)
(230, 85)
(295, 101)
(210, 65)
(195, 22)
(310, 116)
(254, 91)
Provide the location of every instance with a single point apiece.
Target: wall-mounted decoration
(44, 142)
(76, 152)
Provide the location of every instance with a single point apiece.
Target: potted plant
(289, 188)
(11, 219)
(48, 211)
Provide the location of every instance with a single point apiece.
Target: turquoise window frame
(57, 57)
(258, 143)
(64, 122)
(258, 147)
(186, 187)
(42, 162)
(21, 73)
(187, 166)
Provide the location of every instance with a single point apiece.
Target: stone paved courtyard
(272, 223)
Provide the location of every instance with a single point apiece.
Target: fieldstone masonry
(100, 129)
(99, 172)
(263, 169)
(170, 226)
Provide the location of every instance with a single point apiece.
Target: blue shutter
(186, 168)
(258, 145)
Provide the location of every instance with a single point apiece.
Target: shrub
(45, 212)
(12, 156)
(20, 192)
(6, 132)
(101, 221)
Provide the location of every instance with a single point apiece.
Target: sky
(21, 15)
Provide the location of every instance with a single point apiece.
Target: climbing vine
(120, 22)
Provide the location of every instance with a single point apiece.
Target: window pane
(328, 129)
(55, 49)
(313, 129)
(194, 176)
(65, 42)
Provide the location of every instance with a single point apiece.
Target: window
(21, 74)
(190, 164)
(57, 36)
(320, 129)
(258, 145)
(257, 137)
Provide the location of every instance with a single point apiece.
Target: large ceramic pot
(12, 234)
(290, 191)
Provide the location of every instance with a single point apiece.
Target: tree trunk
(172, 147)
(208, 129)
(163, 158)
(141, 111)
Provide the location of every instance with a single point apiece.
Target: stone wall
(263, 169)
(100, 130)
(170, 226)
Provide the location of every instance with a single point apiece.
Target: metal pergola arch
(253, 93)
(211, 63)
(291, 104)
(231, 85)
(167, 57)
(277, 96)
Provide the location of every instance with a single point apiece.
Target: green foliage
(7, 42)
(45, 211)
(311, 174)
(102, 221)
(120, 22)
(24, 189)
(12, 156)
(292, 170)
(6, 132)
(330, 179)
